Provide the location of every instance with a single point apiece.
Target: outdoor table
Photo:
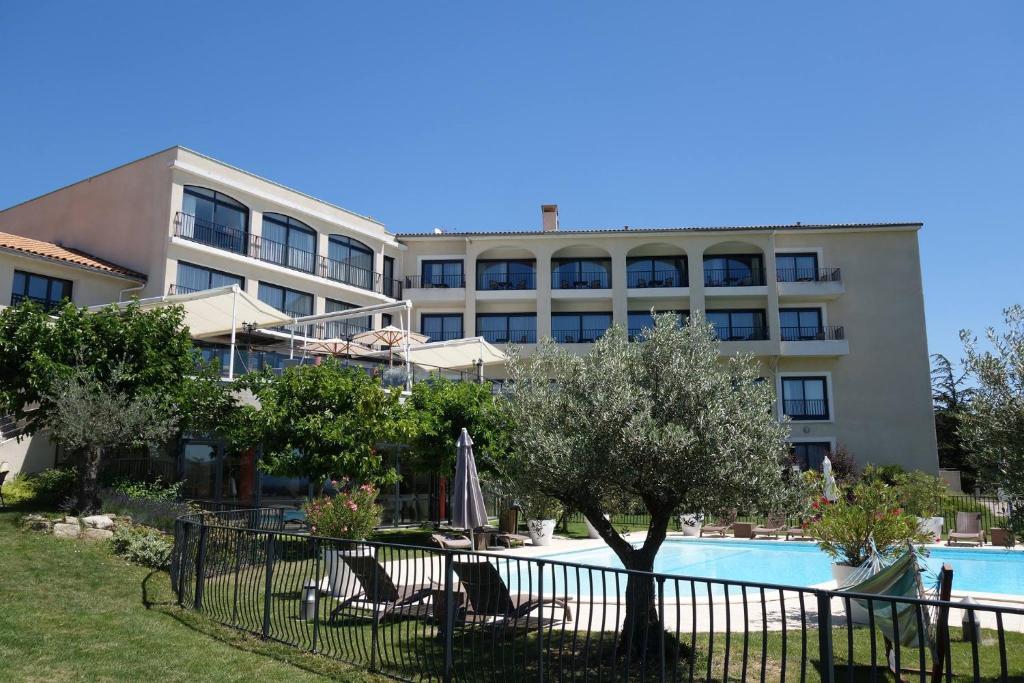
(743, 530)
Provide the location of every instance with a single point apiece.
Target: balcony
(814, 340)
(46, 304)
(810, 284)
(435, 281)
(173, 289)
(590, 279)
(509, 336)
(733, 333)
(501, 282)
(584, 336)
(733, 277)
(798, 409)
(188, 227)
(656, 279)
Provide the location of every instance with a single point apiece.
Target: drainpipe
(120, 295)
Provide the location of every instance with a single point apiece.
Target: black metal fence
(420, 614)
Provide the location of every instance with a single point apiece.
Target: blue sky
(470, 115)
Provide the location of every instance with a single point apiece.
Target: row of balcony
(601, 279)
(724, 333)
(188, 227)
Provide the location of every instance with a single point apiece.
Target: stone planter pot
(541, 531)
(841, 573)
(591, 531)
(690, 523)
(931, 526)
(340, 582)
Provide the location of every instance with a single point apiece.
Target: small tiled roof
(632, 229)
(56, 252)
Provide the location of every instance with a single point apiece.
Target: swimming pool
(793, 564)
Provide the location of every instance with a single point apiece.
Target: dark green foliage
(48, 488)
(951, 399)
(142, 545)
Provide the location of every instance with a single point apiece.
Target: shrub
(154, 490)
(350, 514)
(142, 545)
(47, 488)
(157, 512)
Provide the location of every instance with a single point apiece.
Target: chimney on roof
(549, 217)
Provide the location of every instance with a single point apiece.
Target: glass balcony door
(800, 324)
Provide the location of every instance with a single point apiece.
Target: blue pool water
(792, 564)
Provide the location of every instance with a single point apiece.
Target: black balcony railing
(805, 408)
(488, 281)
(444, 336)
(509, 336)
(656, 278)
(436, 281)
(187, 226)
(826, 274)
(590, 279)
(173, 289)
(282, 255)
(584, 336)
(733, 277)
(734, 333)
(47, 304)
(813, 333)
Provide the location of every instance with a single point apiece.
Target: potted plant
(541, 513)
(846, 528)
(690, 523)
(351, 515)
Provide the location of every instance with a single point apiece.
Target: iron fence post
(373, 622)
(268, 583)
(825, 636)
(449, 617)
(239, 535)
(187, 528)
(201, 564)
(540, 622)
(316, 605)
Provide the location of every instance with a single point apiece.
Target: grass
(74, 612)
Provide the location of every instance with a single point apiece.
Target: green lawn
(73, 612)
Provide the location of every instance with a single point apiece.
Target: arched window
(288, 242)
(350, 261)
(213, 218)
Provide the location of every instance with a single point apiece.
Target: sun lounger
(380, 592)
(451, 542)
(968, 529)
(775, 526)
(798, 533)
(725, 523)
(490, 603)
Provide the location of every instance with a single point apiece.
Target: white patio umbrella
(468, 511)
(831, 492)
(390, 337)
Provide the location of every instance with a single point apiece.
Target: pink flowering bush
(353, 513)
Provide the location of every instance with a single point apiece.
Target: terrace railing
(824, 274)
(436, 281)
(813, 333)
(425, 614)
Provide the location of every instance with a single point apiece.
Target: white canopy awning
(457, 354)
(211, 312)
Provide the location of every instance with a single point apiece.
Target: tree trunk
(88, 500)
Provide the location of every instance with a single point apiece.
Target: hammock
(899, 578)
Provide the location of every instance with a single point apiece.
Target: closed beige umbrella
(390, 337)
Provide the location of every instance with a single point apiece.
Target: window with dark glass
(641, 320)
(739, 325)
(443, 273)
(340, 329)
(579, 328)
(441, 326)
(796, 267)
(288, 242)
(805, 398)
(581, 273)
(289, 301)
(389, 277)
(656, 271)
(515, 274)
(349, 261)
(502, 328)
(809, 454)
(385, 319)
(800, 324)
(213, 218)
(46, 291)
(193, 278)
(733, 270)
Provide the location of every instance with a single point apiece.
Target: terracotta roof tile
(55, 252)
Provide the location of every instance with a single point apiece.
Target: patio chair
(3, 476)
(775, 525)
(725, 522)
(798, 533)
(380, 591)
(968, 529)
(451, 542)
(490, 602)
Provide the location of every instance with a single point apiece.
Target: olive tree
(993, 426)
(666, 422)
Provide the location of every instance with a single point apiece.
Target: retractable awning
(216, 312)
(457, 354)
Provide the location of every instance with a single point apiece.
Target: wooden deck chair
(775, 525)
(968, 529)
(491, 603)
(725, 522)
(380, 591)
(450, 542)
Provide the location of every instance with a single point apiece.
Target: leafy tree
(666, 422)
(143, 359)
(951, 399)
(439, 409)
(993, 428)
(321, 421)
